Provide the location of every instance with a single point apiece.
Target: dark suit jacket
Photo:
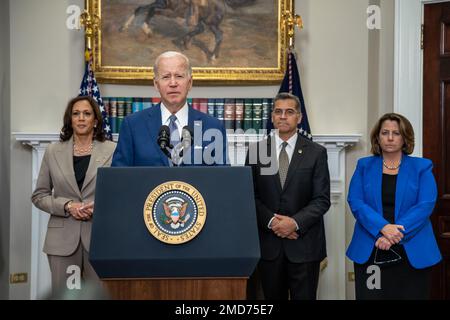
(138, 145)
(305, 197)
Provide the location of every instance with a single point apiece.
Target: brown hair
(67, 130)
(406, 131)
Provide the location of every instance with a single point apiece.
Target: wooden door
(436, 130)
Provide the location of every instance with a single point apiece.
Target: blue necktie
(174, 134)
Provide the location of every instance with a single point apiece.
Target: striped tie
(174, 134)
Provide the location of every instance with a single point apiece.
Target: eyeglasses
(387, 257)
(287, 112)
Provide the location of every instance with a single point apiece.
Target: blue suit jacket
(138, 145)
(415, 198)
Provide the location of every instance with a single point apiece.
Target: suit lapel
(300, 151)
(98, 159)
(153, 125)
(376, 172)
(273, 155)
(64, 159)
(191, 118)
(402, 180)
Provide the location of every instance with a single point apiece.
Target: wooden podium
(215, 264)
(177, 289)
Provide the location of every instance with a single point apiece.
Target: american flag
(292, 84)
(89, 87)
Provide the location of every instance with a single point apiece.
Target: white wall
(47, 66)
(332, 51)
(380, 97)
(4, 148)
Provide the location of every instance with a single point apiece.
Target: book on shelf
(136, 105)
(257, 114)
(211, 107)
(195, 104)
(248, 114)
(229, 113)
(239, 114)
(113, 115)
(220, 103)
(156, 100)
(120, 111)
(128, 102)
(203, 105)
(266, 111)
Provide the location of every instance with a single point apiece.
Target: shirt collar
(181, 114)
(291, 142)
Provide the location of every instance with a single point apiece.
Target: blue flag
(291, 83)
(89, 87)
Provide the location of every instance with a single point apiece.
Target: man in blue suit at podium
(163, 135)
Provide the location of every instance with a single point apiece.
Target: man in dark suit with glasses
(290, 203)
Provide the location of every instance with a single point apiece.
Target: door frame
(408, 57)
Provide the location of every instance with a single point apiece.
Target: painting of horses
(226, 40)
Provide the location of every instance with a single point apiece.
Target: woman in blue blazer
(392, 196)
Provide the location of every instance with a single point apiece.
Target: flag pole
(291, 82)
(291, 20)
(89, 87)
(91, 24)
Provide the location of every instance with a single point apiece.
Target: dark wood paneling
(436, 130)
(445, 114)
(445, 34)
(177, 289)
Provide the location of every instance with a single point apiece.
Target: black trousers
(398, 281)
(283, 280)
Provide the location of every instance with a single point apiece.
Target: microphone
(164, 140)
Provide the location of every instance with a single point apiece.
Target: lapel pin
(300, 151)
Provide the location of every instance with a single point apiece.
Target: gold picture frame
(124, 49)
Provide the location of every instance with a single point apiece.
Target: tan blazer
(56, 185)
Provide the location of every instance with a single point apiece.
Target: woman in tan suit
(66, 188)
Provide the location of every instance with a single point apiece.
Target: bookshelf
(236, 113)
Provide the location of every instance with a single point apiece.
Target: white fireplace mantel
(332, 278)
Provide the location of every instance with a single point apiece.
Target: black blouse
(389, 185)
(388, 197)
(80, 166)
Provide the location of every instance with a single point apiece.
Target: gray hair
(170, 54)
(288, 96)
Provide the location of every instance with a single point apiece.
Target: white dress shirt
(289, 148)
(182, 116)
(290, 151)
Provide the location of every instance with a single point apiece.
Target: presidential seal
(174, 212)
